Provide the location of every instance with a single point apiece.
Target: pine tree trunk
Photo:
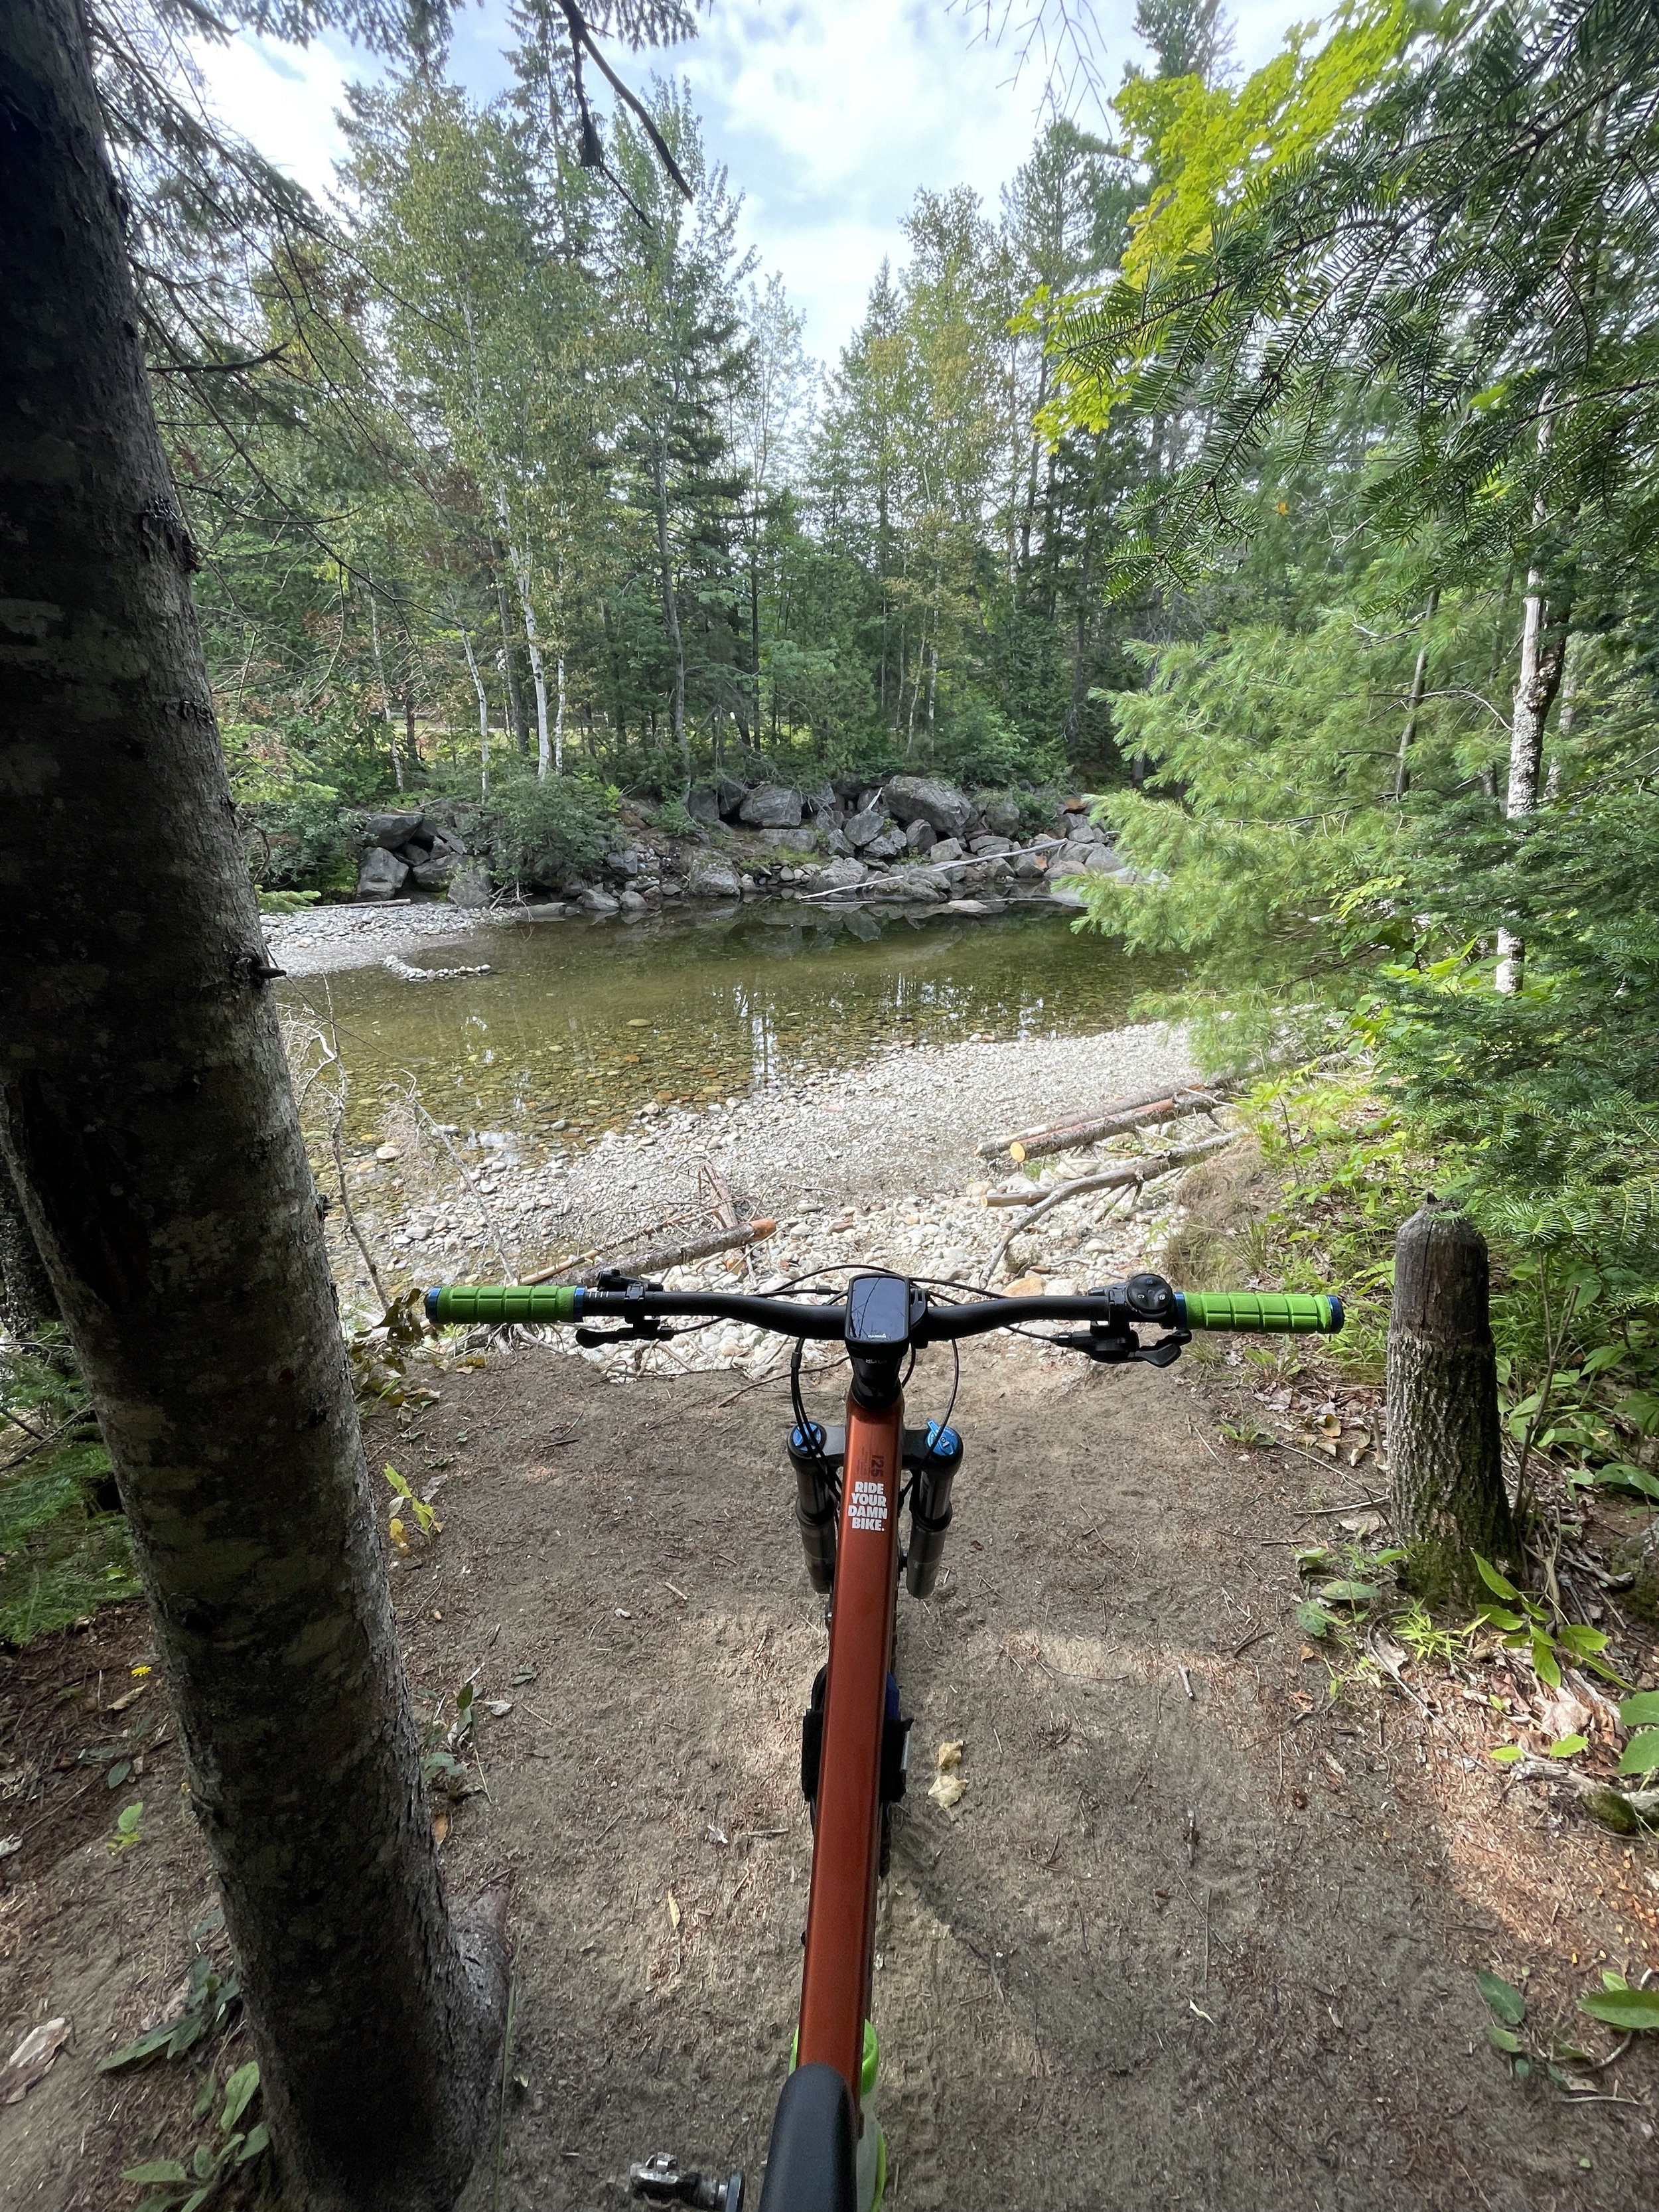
(146, 1115)
(1444, 1454)
(27, 1303)
(671, 611)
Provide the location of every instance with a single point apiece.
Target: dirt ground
(1197, 1936)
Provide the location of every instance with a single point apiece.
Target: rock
(1085, 832)
(469, 886)
(1068, 894)
(863, 828)
(821, 798)
(771, 806)
(1029, 867)
(926, 798)
(837, 876)
(1001, 812)
(597, 902)
(920, 836)
(729, 795)
(382, 874)
(887, 847)
(434, 875)
(947, 850)
(913, 885)
(1101, 860)
(801, 839)
(1070, 860)
(973, 906)
(985, 848)
(835, 844)
(632, 904)
(702, 804)
(713, 877)
(627, 864)
(390, 830)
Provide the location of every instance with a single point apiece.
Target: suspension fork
(841, 1911)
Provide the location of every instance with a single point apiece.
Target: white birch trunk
(483, 716)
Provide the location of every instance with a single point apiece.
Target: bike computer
(878, 1313)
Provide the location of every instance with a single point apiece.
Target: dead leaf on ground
(948, 1790)
(949, 1755)
(673, 1911)
(33, 2056)
(439, 1825)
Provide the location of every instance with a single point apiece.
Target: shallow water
(581, 1024)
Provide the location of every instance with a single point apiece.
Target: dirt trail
(1210, 1950)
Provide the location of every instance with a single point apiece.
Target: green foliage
(304, 841)
(64, 1551)
(547, 832)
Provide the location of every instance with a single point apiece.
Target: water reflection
(581, 1026)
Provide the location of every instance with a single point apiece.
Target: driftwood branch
(658, 1261)
(1168, 1105)
(1132, 1174)
(405, 974)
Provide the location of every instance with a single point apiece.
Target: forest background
(1276, 461)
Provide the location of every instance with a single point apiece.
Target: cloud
(831, 115)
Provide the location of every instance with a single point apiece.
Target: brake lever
(647, 1330)
(1115, 1347)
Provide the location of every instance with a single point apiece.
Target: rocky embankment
(913, 839)
(877, 1166)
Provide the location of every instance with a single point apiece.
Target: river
(577, 1026)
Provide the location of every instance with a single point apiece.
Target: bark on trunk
(509, 673)
(1543, 656)
(1402, 771)
(1444, 1455)
(484, 715)
(27, 1303)
(671, 611)
(146, 1115)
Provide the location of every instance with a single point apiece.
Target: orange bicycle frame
(841, 1911)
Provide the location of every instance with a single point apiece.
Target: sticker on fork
(867, 1508)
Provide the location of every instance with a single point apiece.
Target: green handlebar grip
(462, 1301)
(1282, 1312)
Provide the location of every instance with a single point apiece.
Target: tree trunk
(27, 1305)
(146, 1115)
(409, 732)
(1402, 773)
(1444, 1453)
(484, 715)
(385, 696)
(515, 720)
(671, 611)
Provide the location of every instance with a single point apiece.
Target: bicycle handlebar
(1279, 1313)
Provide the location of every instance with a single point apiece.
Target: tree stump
(1444, 1439)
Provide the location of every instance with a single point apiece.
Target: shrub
(306, 842)
(547, 832)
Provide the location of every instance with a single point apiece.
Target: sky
(829, 114)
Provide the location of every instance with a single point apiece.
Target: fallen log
(662, 1257)
(1626, 1812)
(1170, 1104)
(1132, 1173)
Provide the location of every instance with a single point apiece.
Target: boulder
(729, 795)
(1101, 860)
(926, 798)
(986, 848)
(946, 850)
(1085, 832)
(434, 875)
(863, 828)
(627, 864)
(702, 804)
(634, 904)
(712, 878)
(834, 843)
(920, 836)
(771, 806)
(469, 886)
(802, 839)
(596, 901)
(382, 874)
(390, 830)
(913, 885)
(1001, 812)
(1029, 867)
(836, 875)
(821, 798)
(887, 847)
